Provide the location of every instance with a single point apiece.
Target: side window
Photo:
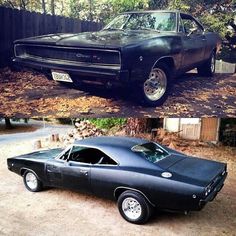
(189, 24)
(90, 156)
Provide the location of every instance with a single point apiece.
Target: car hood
(101, 39)
(42, 154)
(196, 170)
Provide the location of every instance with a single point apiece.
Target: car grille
(69, 54)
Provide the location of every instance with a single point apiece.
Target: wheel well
(168, 61)
(118, 191)
(22, 171)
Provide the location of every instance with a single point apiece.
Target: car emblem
(96, 58)
(80, 55)
(166, 174)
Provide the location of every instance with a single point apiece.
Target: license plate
(61, 76)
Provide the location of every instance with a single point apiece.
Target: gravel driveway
(63, 212)
(27, 94)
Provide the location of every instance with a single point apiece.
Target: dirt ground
(27, 94)
(63, 212)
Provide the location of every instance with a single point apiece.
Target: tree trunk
(52, 7)
(8, 123)
(135, 126)
(44, 7)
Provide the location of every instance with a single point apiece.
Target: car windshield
(157, 21)
(151, 151)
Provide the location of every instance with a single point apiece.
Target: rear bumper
(213, 194)
(85, 71)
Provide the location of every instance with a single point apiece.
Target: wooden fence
(17, 24)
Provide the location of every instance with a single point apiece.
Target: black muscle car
(140, 175)
(142, 50)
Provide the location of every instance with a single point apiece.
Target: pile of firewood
(83, 129)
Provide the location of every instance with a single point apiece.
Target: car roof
(118, 148)
(111, 141)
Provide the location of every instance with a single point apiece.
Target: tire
(131, 201)
(208, 68)
(156, 88)
(31, 182)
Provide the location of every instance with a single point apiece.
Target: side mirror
(192, 31)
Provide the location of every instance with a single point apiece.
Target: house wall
(205, 129)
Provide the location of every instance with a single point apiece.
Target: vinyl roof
(118, 148)
(111, 141)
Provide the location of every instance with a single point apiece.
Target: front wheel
(134, 207)
(31, 181)
(155, 88)
(209, 67)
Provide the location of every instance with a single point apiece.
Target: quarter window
(188, 24)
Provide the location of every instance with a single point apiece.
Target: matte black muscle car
(142, 50)
(139, 174)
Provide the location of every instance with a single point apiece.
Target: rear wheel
(134, 207)
(208, 68)
(31, 181)
(155, 89)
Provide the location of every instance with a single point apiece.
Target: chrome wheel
(213, 63)
(155, 86)
(131, 208)
(31, 180)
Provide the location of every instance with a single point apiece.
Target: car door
(54, 168)
(105, 177)
(193, 41)
(76, 170)
(76, 176)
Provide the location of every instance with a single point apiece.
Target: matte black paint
(177, 50)
(190, 175)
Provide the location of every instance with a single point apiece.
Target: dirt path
(30, 94)
(62, 212)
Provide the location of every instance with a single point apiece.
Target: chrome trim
(71, 146)
(24, 168)
(62, 153)
(128, 188)
(62, 62)
(161, 59)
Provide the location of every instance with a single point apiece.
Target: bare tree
(23, 4)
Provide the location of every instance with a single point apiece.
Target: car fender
(133, 189)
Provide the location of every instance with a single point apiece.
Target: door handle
(85, 172)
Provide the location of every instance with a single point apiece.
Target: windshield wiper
(114, 29)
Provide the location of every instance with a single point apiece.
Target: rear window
(150, 151)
